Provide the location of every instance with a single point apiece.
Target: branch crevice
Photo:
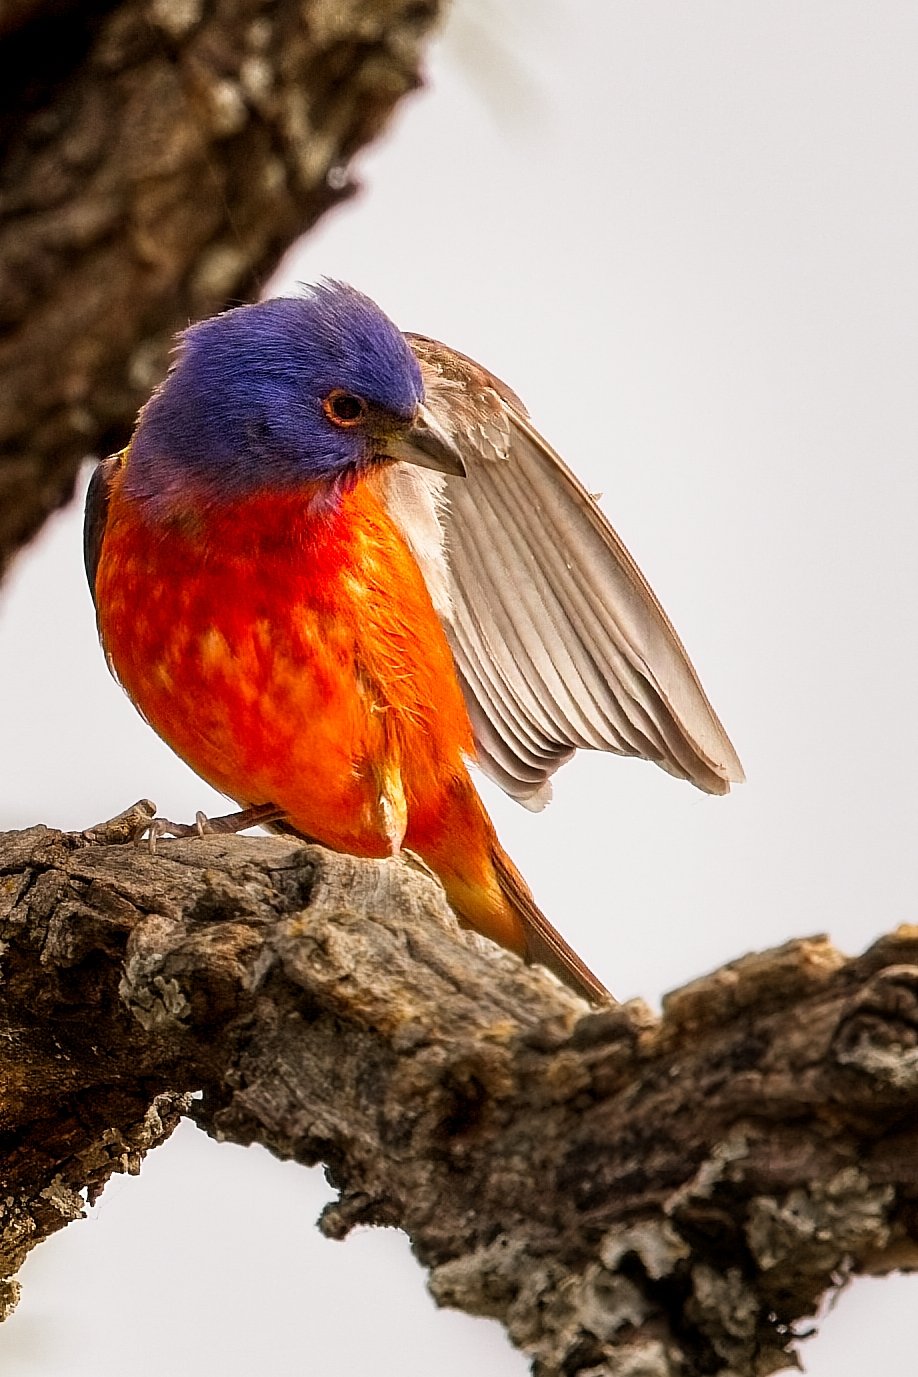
(626, 1193)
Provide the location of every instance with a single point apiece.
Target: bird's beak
(429, 445)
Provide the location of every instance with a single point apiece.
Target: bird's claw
(153, 828)
(418, 863)
(122, 828)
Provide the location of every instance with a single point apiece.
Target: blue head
(290, 392)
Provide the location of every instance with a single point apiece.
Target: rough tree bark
(630, 1196)
(627, 1194)
(156, 158)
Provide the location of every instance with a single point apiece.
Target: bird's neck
(271, 514)
(318, 522)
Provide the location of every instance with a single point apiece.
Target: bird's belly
(270, 710)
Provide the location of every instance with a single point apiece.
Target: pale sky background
(686, 235)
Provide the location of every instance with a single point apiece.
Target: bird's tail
(543, 943)
(491, 896)
(499, 904)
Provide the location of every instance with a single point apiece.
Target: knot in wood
(876, 1038)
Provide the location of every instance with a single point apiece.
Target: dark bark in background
(627, 1195)
(156, 159)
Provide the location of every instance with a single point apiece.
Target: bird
(336, 566)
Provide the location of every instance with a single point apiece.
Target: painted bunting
(337, 563)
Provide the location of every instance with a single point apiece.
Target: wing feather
(558, 639)
(95, 515)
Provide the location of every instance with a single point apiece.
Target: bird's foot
(417, 862)
(124, 827)
(153, 828)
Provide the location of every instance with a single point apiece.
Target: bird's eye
(344, 408)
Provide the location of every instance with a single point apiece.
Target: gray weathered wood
(626, 1194)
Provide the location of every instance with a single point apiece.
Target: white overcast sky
(685, 234)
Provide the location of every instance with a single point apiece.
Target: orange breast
(291, 655)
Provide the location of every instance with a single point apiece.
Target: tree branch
(626, 1194)
(157, 158)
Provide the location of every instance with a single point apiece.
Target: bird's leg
(255, 816)
(204, 826)
(418, 863)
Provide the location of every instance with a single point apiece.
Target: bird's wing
(559, 641)
(96, 514)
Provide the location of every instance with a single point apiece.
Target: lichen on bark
(625, 1193)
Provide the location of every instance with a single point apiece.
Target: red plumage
(288, 650)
